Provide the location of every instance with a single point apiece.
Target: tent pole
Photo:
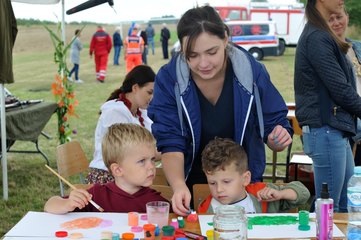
(4, 160)
(63, 21)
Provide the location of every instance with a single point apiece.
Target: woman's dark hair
(140, 75)
(77, 32)
(196, 21)
(315, 18)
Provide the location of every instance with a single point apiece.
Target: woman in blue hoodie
(212, 89)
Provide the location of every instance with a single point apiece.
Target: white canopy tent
(2, 101)
(88, 4)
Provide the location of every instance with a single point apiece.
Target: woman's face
(143, 95)
(331, 6)
(338, 23)
(206, 59)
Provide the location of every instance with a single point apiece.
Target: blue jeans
(332, 161)
(76, 70)
(116, 54)
(151, 43)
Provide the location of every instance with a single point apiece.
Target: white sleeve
(114, 115)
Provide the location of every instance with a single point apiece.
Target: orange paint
(82, 223)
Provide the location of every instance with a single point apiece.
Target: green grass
(30, 183)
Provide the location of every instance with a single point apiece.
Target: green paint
(271, 220)
(210, 224)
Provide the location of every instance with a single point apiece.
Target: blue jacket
(324, 83)
(175, 110)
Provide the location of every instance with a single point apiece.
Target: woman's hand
(180, 200)
(279, 139)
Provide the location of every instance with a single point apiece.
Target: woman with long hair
(339, 23)
(127, 104)
(326, 100)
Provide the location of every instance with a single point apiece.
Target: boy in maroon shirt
(129, 153)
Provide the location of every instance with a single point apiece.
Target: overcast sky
(126, 10)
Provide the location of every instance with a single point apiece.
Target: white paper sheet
(274, 231)
(40, 224)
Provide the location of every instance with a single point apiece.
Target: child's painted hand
(269, 194)
(78, 198)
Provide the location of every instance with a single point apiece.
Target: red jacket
(101, 43)
(252, 188)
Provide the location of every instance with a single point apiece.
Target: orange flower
(71, 109)
(61, 103)
(71, 95)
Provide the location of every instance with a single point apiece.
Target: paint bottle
(149, 230)
(174, 223)
(181, 222)
(324, 215)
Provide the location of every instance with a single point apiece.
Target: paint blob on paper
(86, 223)
(271, 220)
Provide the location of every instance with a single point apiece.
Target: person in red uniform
(100, 45)
(133, 49)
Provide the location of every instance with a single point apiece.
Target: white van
(257, 37)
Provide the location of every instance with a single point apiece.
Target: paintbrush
(73, 187)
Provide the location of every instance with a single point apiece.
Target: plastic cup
(158, 213)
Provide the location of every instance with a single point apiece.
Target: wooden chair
(71, 160)
(165, 191)
(201, 192)
(160, 178)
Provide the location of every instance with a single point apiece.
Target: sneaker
(79, 81)
(100, 80)
(70, 79)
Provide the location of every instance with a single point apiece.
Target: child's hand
(269, 194)
(78, 198)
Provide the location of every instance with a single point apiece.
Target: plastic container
(354, 205)
(128, 236)
(174, 223)
(230, 223)
(133, 219)
(149, 231)
(324, 215)
(168, 230)
(181, 222)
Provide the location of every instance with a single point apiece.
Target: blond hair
(222, 152)
(120, 137)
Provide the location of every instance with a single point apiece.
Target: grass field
(30, 183)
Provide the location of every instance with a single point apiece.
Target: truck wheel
(281, 47)
(256, 53)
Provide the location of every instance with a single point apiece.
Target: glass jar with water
(230, 222)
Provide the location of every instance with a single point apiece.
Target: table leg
(38, 151)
